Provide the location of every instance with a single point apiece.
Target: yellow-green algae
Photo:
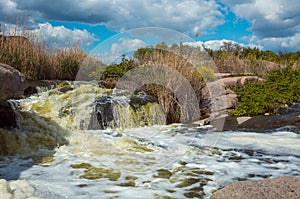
(131, 178)
(97, 173)
(127, 184)
(131, 145)
(93, 173)
(163, 173)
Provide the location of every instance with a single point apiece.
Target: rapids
(137, 155)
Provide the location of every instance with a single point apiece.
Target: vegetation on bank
(280, 70)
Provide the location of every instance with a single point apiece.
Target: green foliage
(280, 87)
(115, 71)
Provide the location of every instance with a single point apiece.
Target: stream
(61, 153)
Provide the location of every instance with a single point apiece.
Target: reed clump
(30, 55)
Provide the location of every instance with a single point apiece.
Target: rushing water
(133, 160)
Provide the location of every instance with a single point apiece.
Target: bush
(281, 87)
(207, 73)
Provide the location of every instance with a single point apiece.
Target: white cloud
(123, 46)
(57, 36)
(291, 43)
(217, 44)
(275, 23)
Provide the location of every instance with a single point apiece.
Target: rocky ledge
(288, 116)
(276, 188)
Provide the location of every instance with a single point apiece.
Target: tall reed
(30, 55)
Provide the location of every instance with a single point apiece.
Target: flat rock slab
(277, 188)
(271, 122)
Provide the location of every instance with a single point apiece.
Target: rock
(224, 122)
(277, 188)
(241, 120)
(271, 122)
(12, 83)
(5, 191)
(18, 189)
(238, 81)
(220, 97)
(30, 90)
(7, 116)
(21, 189)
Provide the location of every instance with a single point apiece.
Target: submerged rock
(277, 188)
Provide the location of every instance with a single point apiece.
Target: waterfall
(48, 119)
(133, 110)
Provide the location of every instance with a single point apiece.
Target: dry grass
(174, 97)
(31, 56)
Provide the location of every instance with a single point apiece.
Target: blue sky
(267, 24)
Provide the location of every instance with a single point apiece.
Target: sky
(267, 24)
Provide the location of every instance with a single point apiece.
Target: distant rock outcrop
(277, 188)
(238, 81)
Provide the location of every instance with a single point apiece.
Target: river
(61, 157)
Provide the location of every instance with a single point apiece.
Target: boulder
(12, 83)
(276, 188)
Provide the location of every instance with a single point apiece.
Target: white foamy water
(169, 162)
(160, 161)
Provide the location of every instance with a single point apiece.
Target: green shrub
(208, 74)
(281, 87)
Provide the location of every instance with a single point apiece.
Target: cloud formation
(60, 36)
(275, 23)
(118, 48)
(184, 16)
(217, 44)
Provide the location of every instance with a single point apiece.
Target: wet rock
(12, 83)
(7, 116)
(30, 90)
(103, 114)
(277, 188)
(136, 108)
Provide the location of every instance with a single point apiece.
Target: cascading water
(83, 141)
(45, 121)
